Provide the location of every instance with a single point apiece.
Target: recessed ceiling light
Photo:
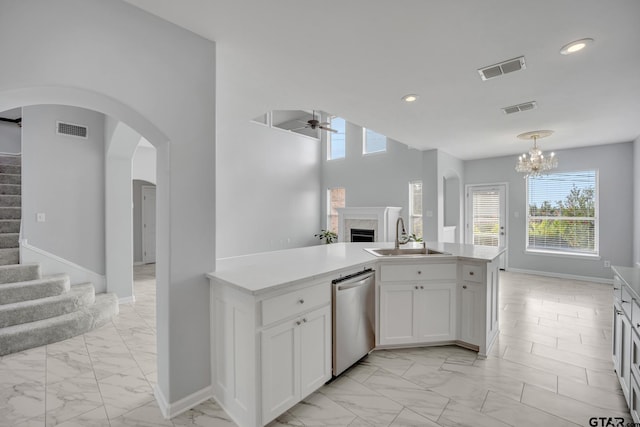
(575, 46)
(412, 97)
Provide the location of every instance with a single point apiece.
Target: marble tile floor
(551, 366)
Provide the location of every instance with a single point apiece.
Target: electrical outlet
(607, 264)
(40, 217)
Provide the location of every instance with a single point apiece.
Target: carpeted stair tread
(43, 308)
(104, 309)
(10, 200)
(9, 226)
(10, 213)
(49, 286)
(19, 273)
(10, 169)
(33, 334)
(12, 189)
(11, 160)
(9, 256)
(10, 178)
(9, 240)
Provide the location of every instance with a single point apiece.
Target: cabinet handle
(419, 272)
(637, 325)
(304, 320)
(464, 286)
(417, 287)
(618, 312)
(624, 302)
(471, 273)
(616, 289)
(421, 287)
(301, 301)
(298, 323)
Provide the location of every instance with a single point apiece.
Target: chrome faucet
(403, 238)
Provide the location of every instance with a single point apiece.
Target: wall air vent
(496, 70)
(70, 129)
(525, 106)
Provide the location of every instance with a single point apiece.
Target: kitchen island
(271, 315)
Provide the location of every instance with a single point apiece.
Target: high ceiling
(357, 58)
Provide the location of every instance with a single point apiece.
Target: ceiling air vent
(505, 67)
(70, 129)
(525, 106)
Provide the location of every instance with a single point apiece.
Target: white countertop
(266, 271)
(631, 276)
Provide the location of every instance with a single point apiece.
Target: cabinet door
(471, 313)
(435, 311)
(315, 350)
(397, 320)
(625, 356)
(617, 338)
(280, 369)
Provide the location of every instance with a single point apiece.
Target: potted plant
(327, 235)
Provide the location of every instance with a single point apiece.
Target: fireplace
(363, 235)
(379, 221)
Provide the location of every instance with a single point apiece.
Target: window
(336, 141)
(563, 213)
(415, 208)
(335, 199)
(373, 142)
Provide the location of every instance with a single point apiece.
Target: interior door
(148, 224)
(487, 216)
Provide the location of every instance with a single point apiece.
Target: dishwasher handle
(367, 271)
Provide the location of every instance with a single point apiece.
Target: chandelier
(535, 163)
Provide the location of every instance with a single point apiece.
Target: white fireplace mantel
(380, 219)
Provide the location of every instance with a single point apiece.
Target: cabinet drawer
(627, 302)
(400, 272)
(292, 303)
(472, 273)
(617, 287)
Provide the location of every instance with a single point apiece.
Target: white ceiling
(357, 58)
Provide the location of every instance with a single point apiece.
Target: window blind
(562, 212)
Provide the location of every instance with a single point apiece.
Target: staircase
(10, 208)
(36, 310)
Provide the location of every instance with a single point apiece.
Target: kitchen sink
(405, 252)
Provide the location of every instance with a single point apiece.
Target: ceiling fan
(315, 124)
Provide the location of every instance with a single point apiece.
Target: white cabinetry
(296, 360)
(478, 308)
(417, 303)
(626, 338)
(471, 311)
(271, 350)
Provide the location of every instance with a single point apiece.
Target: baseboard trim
(562, 275)
(170, 410)
(127, 300)
(52, 264)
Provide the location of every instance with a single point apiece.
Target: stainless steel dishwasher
(353, 318)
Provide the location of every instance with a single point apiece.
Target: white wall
(636, 202)
(63, 177)
(144, 164)
(374, 180)
(268, 197)
(154, 76)
(9, 138)
(615, 165)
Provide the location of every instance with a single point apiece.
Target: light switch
(40, 217)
